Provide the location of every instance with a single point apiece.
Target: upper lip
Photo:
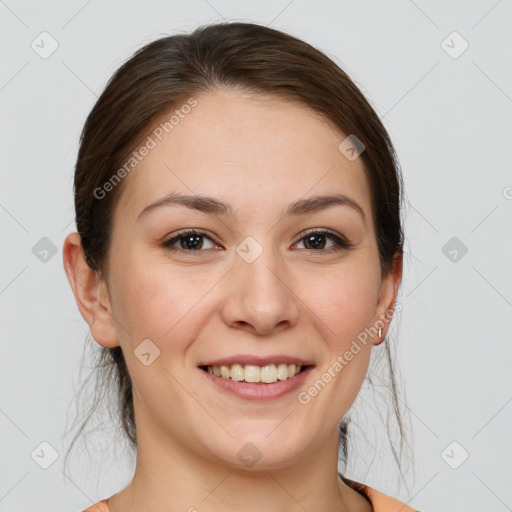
(244, 359)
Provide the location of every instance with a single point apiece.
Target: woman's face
(254, 288)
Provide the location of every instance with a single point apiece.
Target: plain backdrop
(438, 74)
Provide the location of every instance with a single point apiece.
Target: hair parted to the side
(161, 76)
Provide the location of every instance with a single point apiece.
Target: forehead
(247, 149)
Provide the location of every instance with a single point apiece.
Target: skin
(258, 154)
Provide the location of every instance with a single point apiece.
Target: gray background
(447, 113)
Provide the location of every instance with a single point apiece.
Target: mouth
(255, 374)
(257, 382)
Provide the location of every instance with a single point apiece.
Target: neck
(170, 476)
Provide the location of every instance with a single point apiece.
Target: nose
(259, 297)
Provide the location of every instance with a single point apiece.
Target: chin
(259, 451)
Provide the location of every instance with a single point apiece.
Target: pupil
(192, 241)
(311, 241)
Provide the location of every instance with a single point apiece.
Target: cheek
(153, 303)
(345, 310)
(344, 302)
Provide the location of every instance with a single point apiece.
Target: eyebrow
(213, 206)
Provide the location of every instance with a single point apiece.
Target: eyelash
(340, 242)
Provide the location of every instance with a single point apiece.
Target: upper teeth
(252, 373)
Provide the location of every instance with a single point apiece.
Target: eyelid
(337, 237)
(169, 242)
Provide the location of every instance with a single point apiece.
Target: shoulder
(101, 506)
(380, 502)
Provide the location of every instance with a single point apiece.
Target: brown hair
(161, 76)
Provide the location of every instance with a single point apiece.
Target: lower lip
(257, 391)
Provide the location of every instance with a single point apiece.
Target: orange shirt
(380, 502)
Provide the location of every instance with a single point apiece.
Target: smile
(257, 383)
(267, 374)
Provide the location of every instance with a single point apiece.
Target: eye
(189, 240)
(316, 241)
(194, 241)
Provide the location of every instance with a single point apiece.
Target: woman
(238, 255)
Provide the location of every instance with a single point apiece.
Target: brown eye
(189, 241)
(317, 241)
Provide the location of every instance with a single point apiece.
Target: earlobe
(387, 298)
(90, 292)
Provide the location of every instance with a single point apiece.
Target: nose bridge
(258, 265)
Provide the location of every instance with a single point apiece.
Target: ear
(387, 297)
(90, 292)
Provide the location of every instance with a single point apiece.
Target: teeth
(237, 373)
(252, 373)
(268, 373)
(282, 371)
